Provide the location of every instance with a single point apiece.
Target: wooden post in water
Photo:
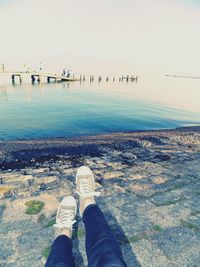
(13, 79)
(32, 79)
(2, 68)
(91, 78)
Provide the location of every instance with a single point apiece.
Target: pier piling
(14, 76)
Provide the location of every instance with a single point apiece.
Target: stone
(174, 242)
(68, 171)
(129, 155)
(136, 176)
(159, 180)
(47, 180)
(15, 211)
(168, 198)
(7, 249)
(150, 255)
(167, 216)
(111, 175)
(39, 170)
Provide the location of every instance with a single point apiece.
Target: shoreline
(15, 154)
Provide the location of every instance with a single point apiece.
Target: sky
(102, 36)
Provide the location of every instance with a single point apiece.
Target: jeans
(101, 247)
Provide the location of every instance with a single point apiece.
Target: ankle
(65, 231)
(85, 202)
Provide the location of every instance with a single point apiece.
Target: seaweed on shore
(31, 157)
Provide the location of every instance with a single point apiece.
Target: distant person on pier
(40, 67)
(101, 246)
(64, 73)
(68, 74)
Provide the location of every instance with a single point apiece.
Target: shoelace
(86, 189)
(65, 219)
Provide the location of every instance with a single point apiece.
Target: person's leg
(101, 246)
(61, 250)
(61, 253)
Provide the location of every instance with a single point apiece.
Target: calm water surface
(66, 110)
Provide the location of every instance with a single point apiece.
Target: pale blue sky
(102, 36)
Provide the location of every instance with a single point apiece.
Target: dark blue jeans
(101, 247)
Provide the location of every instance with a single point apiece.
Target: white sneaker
(66, 214)
(85, 183)
(85, 187)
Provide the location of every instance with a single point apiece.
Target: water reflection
(3, 94)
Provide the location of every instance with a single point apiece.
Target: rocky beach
(150, 194)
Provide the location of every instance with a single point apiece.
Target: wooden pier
(39, 76)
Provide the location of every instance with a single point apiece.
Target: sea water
(77, 109)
